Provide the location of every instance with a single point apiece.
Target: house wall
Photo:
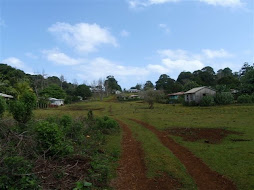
(57, 102)
(197, 97)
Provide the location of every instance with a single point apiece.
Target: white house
(117, 92)
(6, 96)
(196, 94)
(133, 90)
(56, 102)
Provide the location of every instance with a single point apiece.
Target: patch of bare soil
(205, 178)
(61, 174)
(132, 171)
(213, 136)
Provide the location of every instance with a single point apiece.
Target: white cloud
(60, 58)
(216, 53)
(14, 62)
(164, 27)
(84, 37)
(224, 3)
(101, 67)
(146, 3)
(124, 33)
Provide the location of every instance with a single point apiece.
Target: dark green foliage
(53, 91)
(189, 85)
(148, 85)
(51, 140)
(224, 98)
(207, 101)
(247, 81)
(2, 106)
(16, 173)
(90, 116)
(111, 84)
(83, 91)
(106, 125)
(244, 99)
(22, 109)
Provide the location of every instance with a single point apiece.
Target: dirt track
(132, 170)
(205, 178)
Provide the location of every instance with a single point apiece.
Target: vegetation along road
(176, 147)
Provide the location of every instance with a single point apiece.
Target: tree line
(15, 82)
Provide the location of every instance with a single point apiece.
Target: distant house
(196, 94)
(6, 96)
(56, 102)
(175, 96)
(133, 90)
(117, 92)
(134, 96)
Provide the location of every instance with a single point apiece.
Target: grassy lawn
(233, 159)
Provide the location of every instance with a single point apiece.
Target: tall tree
(148, 85)
(111, 84)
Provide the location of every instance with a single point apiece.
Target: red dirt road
(205, 178)
(132, 171)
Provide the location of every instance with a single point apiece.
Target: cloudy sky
(133, 40)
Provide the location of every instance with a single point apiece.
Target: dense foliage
(2, 106)
(46, 143)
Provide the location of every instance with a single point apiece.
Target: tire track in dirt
(205, 178)
(131, 173)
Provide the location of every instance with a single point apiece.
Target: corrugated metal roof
(176, 94)
(194, 90)
(6, 95)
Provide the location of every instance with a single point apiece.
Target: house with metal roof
(6, 96)
(56, 102)
(175, 96)
(196, 94)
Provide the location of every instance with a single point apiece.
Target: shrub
(51, 140)
(106, 125)
(13, 174)
(245, 98)
(22, 109)
(207, 101)
(224, 98)
(2, 106)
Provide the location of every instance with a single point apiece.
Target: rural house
(175, 96)
(56, 102)
(196, 94)
(6, 96)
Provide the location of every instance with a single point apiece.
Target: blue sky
(133, 40)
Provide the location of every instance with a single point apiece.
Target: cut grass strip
(158, 158)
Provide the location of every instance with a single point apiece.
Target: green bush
(224, 98)
(106, 125)
(2, 106)
(207, 101)
(244, 98)
(51, 141)
(14, 172)
(22, 109)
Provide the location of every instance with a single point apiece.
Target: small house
(175, 96)
(6, 96)
(56, 102)
(133, 90)
(196, 94)
(117, 92)
(133, 96)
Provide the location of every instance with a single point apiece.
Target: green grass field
(233, 159)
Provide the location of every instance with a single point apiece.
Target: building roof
(176, 94)
(194, 90)
(55, 99)
(6, 95)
